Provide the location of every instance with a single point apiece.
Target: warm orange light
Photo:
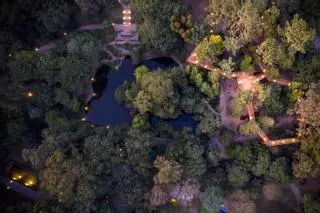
(29, 94)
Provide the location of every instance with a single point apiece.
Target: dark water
(107, 111)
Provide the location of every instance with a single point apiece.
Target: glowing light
(83, 119)
(94, 94)
(93, 79)
(206, 66)
(92, 125)
(289, 84)
(194, 54)
(29, 94)
(11, 181)
(113, 24)
(233, 75)
(274, 80)
(196, 62)
(173, 201)
(10, 55)
(65, 34)
(211, 31)
(86, 108)
(8, 187)
(36, 49)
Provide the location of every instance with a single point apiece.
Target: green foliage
(279, 170)
(274, 53)
(140, 121)
(311, 204)
(209, 124)
(239, 201)
(214, 157)
(297, 34)
(198, 33)
(23, 66)
(249, 128)
(120, 92)
(54, 15)
(138, 146)
(307, 71)
(227, 66)
(182, 25)
(212, 199)
(143, 102)
(238, 175)
(220, 11)
(210, 48)
(189, 153)
(307, 162)
(153, 18)
(139, 72)
(169, 172)
(246, 64)
(266, 122)
(269, 20)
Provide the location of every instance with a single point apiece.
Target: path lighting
(83, 119)
(93, 79)
(8, 187)
(36, 49)
(29, 94)
(108, 126)
(86, 108)
(94, 94)
(65, 34)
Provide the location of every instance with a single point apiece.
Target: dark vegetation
(156, 168)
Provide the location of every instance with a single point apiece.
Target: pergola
(248, 82)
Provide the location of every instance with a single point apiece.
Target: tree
(153, 18)
(266, 122)
(239, 201)
(222, 11)
(307, 159)
(158, 196)
(308, 110)
(212, 199)
(186, 192)
(311, 204)
(140, 121)
(246, 64)
(143, 102)
(238, 175)
(249, 128)
(189, 153)
(210, 48)
(209, 124)
(139, 72)
(138, 146)
(169, 172)
(307, 70)
(158, 85)
(279, 170)
(261, 167)
(54, 15)
(297, 34)
(274, 53)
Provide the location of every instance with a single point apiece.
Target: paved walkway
(228, 120)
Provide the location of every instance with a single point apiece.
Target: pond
(105, 110)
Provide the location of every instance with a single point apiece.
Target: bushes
(182, 25)
(250, 128)
(210, 48)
